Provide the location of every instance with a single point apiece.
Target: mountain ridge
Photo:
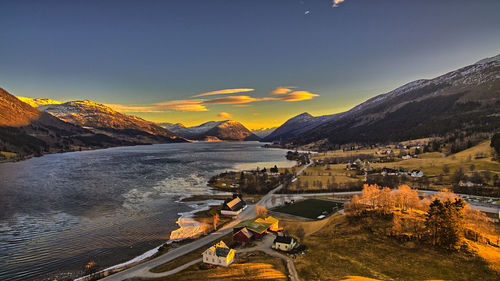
(457, 100)
(226, 130)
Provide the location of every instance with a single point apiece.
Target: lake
(60, 211)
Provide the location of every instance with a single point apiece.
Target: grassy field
(309, 208)
(326, 174)
(338, 250)
(437, 167)
(249, 266)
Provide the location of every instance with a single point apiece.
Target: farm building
(233, 207)
(219, 254)
(254, 229)
(417, 173)
(284, 243)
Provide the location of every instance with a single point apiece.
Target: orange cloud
(297, 96)
(224, 92)
(182, 105)
(233, 100)
(134, 109)
(241, 105)
(281, 90)
(225, 115)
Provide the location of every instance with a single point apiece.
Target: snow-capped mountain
(28, 131)
(213, 131)
(297, 125)
(467, 99)
(104, 120)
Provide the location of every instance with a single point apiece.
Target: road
(262, 246)
(144, 268)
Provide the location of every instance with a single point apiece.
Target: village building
(284, 243)
(243, 235)
(406, 157)
(219, 254)
(271, 221)
(468, 184)
(233, 207)
(249, 230)
(417, 173)
(389, 172)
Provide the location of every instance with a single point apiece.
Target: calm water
(59, 211)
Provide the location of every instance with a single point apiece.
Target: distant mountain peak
(213, 130)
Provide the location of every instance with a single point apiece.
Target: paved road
(143, 268)
(262, 246)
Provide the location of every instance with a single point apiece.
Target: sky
(258, 62)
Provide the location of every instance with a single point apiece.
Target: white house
(284, 243)
(406, 157)
(417, 173)
(219, 254)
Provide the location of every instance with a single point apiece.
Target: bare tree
(215, 220)
(260, 211)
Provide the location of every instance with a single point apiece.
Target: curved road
(143, 268)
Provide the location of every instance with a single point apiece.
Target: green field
(310, 208)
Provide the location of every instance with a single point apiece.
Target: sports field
(310, 208)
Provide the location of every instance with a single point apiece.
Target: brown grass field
(249, 266)
(338, 250)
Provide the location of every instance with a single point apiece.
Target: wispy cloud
(281, 90)
(133, 109)
(279, 94)
(182, 105)
(233, 100)
(297, 96)
(224, 92)
(224, 115)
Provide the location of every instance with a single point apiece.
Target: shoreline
(82, 149)
(207, 201)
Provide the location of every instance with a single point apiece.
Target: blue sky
(149, 58)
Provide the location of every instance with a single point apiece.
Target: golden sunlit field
(251, 266)
(337, 250)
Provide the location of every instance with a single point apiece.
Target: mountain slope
(213, 130)
(263, 132)
(27, 131)
(102, 119)
(297, 125)
(36, 102)
(231, 130)
(466, 100)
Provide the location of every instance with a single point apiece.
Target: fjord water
(60, 211)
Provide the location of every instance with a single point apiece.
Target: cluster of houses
(401, 172)
(358, 165)
(364, 167)
(244, 232)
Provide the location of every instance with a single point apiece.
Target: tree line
(444, 220)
